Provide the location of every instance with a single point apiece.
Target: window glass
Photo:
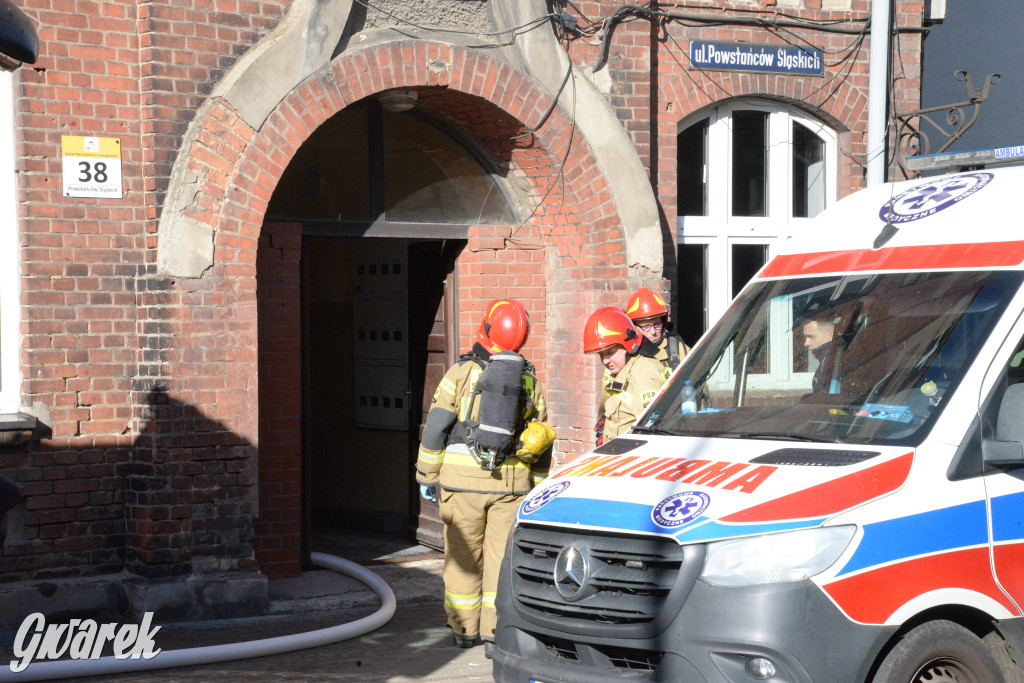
(749, 163)
(691, 196)
(425, 175)
(889, 349)
(329, 176)
(808, 172)
(429, 178)
(692, 294)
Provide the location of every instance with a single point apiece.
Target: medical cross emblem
(928, 199)
(543, 497)
(680, 508)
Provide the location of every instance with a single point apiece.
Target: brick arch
(237, 167)
(686, 93)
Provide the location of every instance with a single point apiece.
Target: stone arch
(228, 169)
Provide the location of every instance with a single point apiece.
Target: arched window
(372, 172)
(750, 174)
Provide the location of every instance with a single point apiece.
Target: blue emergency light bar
(977, 158)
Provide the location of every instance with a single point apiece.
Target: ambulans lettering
(727, 475)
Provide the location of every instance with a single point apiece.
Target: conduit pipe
(229, 652)
(878, 92)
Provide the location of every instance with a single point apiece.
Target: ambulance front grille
(628, 580)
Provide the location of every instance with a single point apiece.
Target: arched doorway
(385, 201)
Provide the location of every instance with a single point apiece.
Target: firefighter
(478, 482)
(633, 379)
(649, 313)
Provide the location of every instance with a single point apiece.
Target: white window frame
(719, 230)
(10, 269)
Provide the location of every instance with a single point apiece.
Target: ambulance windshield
(838, 359)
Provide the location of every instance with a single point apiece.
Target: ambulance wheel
(939, 652)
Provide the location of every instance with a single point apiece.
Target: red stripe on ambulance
(831, 497)
(927, 257)
(873, 596)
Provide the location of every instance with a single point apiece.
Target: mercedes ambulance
(844, 513)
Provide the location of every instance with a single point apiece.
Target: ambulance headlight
(775, 558)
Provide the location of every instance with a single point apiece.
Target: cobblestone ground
(415, 645)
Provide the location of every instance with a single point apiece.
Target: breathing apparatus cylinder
(500, 392)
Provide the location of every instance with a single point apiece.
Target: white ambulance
(845, 504)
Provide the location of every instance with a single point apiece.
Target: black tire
(939, 652)
(1004, 656)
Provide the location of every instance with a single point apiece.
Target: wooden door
(433, 324)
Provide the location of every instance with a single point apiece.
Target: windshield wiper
(783, 436)
(655, 430)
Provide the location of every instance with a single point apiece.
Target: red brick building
(317, 199)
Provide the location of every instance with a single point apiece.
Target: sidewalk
(416, 645)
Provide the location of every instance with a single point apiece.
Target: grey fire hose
(213, 654)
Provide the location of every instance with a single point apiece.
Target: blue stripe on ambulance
(927, 533)
(1008, 518)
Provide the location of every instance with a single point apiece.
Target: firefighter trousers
(476, 527)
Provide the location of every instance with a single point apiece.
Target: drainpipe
(878, 89)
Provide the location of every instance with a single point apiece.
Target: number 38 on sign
(92, 166)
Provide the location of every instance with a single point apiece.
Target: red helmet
(505, 326)
(645, 304)
(609, 326)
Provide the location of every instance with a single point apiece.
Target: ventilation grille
(814, 457)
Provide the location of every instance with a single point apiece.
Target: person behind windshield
(649, 314)
(632, 379)
(818, 335)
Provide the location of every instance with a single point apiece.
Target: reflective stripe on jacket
(444, 457)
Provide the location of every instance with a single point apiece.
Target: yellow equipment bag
(534, 440)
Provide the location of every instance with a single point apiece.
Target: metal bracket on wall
(912, 140)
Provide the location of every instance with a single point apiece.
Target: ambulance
(843, 501)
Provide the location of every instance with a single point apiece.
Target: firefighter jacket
(671, 342)
(629, 392)
(444, 456)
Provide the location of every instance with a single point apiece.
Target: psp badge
(680, 508)
(544, 497)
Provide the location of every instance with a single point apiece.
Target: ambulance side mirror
(1007, 449)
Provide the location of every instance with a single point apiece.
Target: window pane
(808, 172)
(747, 259)
(691, 192)
(430, 178)
(329, 176)
(692, 292)
(749, 163)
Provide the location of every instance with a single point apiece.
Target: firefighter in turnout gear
(632, 379)
(484, 446)
(649, 314)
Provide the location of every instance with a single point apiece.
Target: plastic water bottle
(689, 404)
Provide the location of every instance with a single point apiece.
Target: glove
(429, 492)
(534, 440)
(599, 430)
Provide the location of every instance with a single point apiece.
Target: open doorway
(378, 335)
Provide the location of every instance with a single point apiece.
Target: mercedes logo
(572, 571)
